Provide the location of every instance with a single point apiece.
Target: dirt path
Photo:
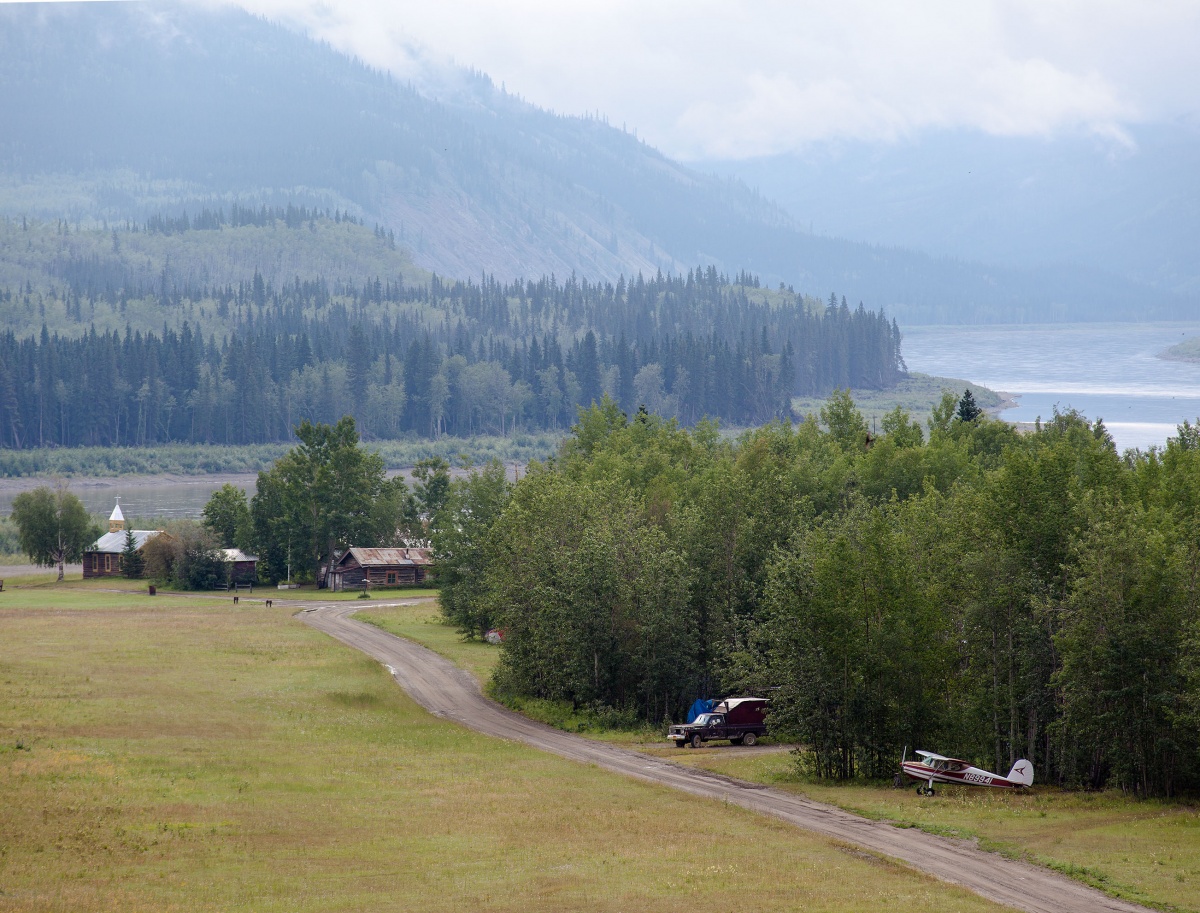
(449, 692)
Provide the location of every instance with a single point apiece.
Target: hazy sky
(703, 79)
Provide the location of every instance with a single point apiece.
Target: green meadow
(180, 753)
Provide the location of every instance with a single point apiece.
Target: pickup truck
(738, 719)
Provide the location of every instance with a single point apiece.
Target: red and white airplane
(936, 768)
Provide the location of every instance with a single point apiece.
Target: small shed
(243, 568)
(380, 567)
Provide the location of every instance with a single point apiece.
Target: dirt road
(447, 691)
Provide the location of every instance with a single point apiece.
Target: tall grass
(204, 459)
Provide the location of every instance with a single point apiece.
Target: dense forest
(425, 358)
(972, 590)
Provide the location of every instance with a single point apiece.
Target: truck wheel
(697, 741)
(749, 738)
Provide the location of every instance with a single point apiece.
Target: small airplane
(936, 768)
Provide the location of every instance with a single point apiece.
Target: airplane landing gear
(923, 790)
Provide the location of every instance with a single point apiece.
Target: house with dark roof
(378, 567)
(103, 557)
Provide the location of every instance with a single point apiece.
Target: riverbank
(185, 461)
(90, 483)
(1187, 351)
(1113, 372)
(152, 498)
(917, 394)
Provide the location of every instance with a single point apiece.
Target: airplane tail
(1022, 773)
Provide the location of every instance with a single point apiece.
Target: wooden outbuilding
(243, 568)
(380, 567)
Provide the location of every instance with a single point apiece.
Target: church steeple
(116, 522)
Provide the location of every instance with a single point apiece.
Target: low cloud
(718, 79)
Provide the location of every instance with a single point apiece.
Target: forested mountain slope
(148, 336)
(123, 111)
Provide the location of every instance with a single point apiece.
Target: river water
(1108, 371)
(146, 500)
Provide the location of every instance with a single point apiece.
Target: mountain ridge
(177, 107)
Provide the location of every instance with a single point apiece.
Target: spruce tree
(967, 410)
(132, 564)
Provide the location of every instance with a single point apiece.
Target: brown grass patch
(196, 757)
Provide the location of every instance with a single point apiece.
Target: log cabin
(380, 567)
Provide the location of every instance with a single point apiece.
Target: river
(1108, 371)
(148, 499)
(144, 498)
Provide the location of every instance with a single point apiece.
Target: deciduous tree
(323, 495)
(227, 516)
(53, 526)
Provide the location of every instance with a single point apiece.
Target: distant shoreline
(1187, 351)
(917, 394)
(1007, 401)
(247, 480)
(25, 483)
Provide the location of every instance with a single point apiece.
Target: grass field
(1144, 851)
(173, 753)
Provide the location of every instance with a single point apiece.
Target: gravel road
(453, 694)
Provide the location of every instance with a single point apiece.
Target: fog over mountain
(123, 111)
(1130, 205)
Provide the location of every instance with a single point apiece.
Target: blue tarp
(701, 706)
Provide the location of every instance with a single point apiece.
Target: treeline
(214, 219)
(979, 592)
(432, 359)
(204, 459)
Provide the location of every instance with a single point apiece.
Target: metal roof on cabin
(375, 557)
(115, 542)
(236, 554)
